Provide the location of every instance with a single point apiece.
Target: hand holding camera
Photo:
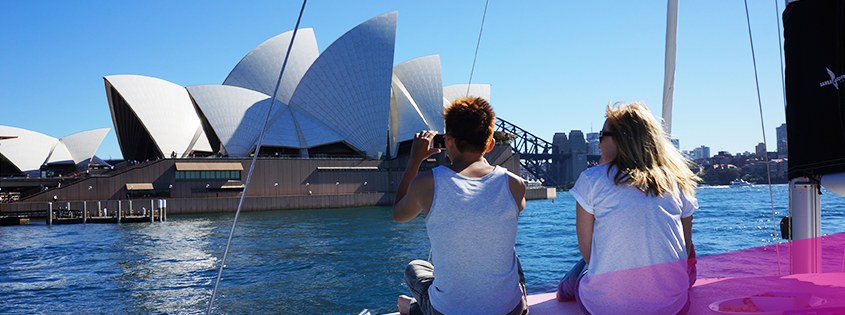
(439, 142)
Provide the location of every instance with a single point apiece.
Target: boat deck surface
(829, 286)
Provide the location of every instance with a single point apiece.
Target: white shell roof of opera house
(350, 93)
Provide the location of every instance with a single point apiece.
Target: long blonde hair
(645, 157)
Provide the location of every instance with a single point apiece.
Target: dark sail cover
(814, 48)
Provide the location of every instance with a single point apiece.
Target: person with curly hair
(471, 210)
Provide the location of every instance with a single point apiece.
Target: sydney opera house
(35, 154)
(339, 125)
(349, 101)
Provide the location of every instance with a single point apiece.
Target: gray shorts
(419, 275)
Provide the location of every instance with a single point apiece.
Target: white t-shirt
(637, 260)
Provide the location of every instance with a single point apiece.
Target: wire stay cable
(783, 86)
(477, 45)
(765, 145)
(254, 159)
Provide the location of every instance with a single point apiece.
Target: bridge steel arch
(536, 155)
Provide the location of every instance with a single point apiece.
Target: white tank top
(472, 228)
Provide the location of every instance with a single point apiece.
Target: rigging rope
(783, 85)
(469, 85)
(478, 44)
(765, 145)
(254, 158)
(780, 50)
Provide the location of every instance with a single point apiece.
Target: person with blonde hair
(633, 221)
(471, 211)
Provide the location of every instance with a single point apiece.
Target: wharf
(67, 215)
(138, 210)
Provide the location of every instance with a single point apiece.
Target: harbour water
(309, 261)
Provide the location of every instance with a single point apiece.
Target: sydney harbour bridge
(554, 164)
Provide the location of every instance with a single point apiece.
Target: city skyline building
(566, 145)
(593, 143)
(702, 152)
(760, 150)
(782, 146)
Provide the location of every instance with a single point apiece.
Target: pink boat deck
(829, 286)
(744, 273)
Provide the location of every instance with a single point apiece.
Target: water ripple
(308, 261)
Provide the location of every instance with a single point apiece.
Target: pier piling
(65, 214)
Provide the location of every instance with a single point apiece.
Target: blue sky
(553, 65)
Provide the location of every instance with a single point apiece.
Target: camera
(438, 142)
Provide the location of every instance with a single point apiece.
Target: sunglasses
(603, 134)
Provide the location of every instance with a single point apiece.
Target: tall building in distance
(783, 149)
(593, 143)
(760, 149)
(677, 144)
(701, 152)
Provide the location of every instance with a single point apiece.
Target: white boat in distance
(739, 182)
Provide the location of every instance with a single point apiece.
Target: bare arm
(412, 193)
(584, 227)
(418, 198)
(518, 190)
(687, 224)
(405, 209)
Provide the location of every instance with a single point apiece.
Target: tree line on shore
(749, 171)
(721, 170)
